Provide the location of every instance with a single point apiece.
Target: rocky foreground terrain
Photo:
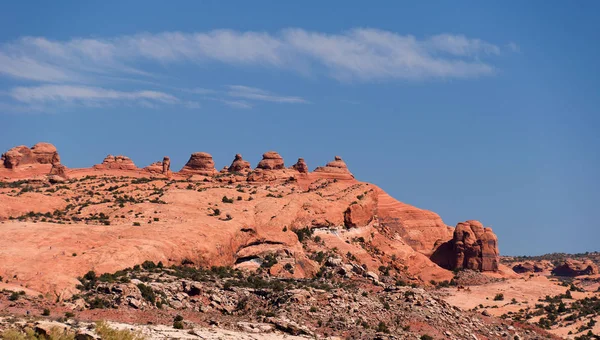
(268, 252)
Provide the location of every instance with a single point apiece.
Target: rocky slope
(56, 223)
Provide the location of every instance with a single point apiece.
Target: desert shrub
(148, 265)
(178, 324)
(108, 333)
(225, 199)
(382, 327)
(304, 233)
(46, 312)
(147, 293)
(499, 297)
(426, 337)
(269, 261)
(136, 224)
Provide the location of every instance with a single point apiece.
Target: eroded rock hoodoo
(41, 153)
(336, 168)
(163, 167)
(271, 161)
(119, 162)
(200, 163)
(239, 164)
(300, 166)
(472, 246)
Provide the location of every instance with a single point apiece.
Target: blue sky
(475, 110)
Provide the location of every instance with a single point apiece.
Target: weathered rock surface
(116, 163)
(239, 164)
(300, 166)
(59, 170)
(271, 161)
(575, 268)
(200, 163)
(472, 247)
(361, 212)
(41, 153)
(420, 228)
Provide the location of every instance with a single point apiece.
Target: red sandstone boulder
(472, 247)
(120, 162)
(575, 268)
(41, 153)
(200, 163)
(300, 166)
(271, 161)
(239, 165)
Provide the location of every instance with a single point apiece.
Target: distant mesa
(572, 268)
(163, 167)
(239, 164)
(200, 163)
(119, 162)
(472, 246)
(271, 161)
(300, 166)
(41, 153)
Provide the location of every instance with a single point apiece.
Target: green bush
(499, 297)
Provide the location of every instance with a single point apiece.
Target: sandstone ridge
(239, 217)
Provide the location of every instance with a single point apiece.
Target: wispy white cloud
(87, 71)
(254, 93)
(86, 95)
(361, 54)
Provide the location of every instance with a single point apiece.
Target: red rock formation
(271, 161)
(120, 162)
(160, 167)
(239, 165)
(300, 166)
(472, 247)
(420, 228)
(532, 267)
(572, 268)
(166, 165)
(335, 169)
(59, 170)
(41, 153)
(200, 163)
(335, 166)
(361, 212)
